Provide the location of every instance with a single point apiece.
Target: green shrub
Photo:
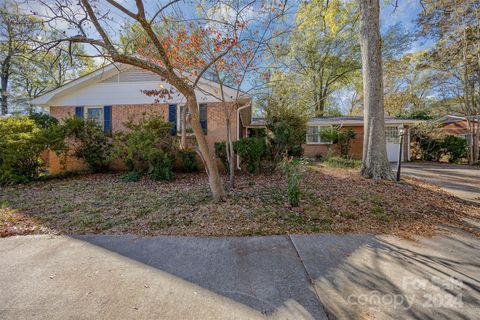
(427, 142)
(221, 153)
(293, 168)
(161, 166)
(432, 144)
(43, 120)
(189, 160)
(89, 142)
(338, 136)
(20, 149)
(147, 147)
(287, 135)
(132, 176)
(341, 162)
(455, 148)
(251, 150)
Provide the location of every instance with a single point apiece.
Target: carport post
(401, 132)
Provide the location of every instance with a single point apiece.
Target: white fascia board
(100, 74)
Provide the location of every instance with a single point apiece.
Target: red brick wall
(216, 126)
(125, 113)
(356, 146)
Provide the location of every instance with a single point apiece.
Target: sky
(406, 13)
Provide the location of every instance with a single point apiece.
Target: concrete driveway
(280, 277)
(461, 181)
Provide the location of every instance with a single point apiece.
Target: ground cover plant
(333, 200)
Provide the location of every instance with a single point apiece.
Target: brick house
(457, 126)
(314, 146)
(114, 94)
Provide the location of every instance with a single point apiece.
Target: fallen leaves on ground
(333, 200)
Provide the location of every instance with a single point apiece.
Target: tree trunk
(183, 137)
(4, 84)
(215, 182)
(375, 163)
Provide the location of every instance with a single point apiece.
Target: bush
(341, 162)
(287, 135)
(43, 120)
(20, 149)
(340, 137)
(147, 147)
(161, 166)
(251, 150)
(432, 144)
(189, 160)
(455, 148)
(293, 168)
(132, 176)
(221, 153)
(90, 143)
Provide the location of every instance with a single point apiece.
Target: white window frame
(319, 126)
(85, 114)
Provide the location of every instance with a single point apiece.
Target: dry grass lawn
(333, 200)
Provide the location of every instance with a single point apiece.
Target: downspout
(239, 129)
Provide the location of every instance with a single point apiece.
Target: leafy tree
(17, 32)
(286, 122)
(41, 70)
(169, 42)
(455, 25)
(322, 54)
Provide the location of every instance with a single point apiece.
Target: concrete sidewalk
(279, 277)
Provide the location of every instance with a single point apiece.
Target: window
(314, 135)
(202, 110)
(180, 110)
(94, 114)
(391, 134)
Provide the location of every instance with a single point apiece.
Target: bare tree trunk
(375, 163)
(215, 182)
(183, 138)
(4, 84)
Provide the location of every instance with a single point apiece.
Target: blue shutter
(79, 112)
(203, 117)
(172, 117)
(107, 119)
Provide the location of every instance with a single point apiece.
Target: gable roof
(123, 84)
(453, 118)
(357, 120)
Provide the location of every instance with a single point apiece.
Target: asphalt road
(461, 181)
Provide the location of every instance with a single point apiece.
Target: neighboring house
(456, 125)
(315, 146)
(114, 94)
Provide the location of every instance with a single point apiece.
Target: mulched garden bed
(333, 200)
